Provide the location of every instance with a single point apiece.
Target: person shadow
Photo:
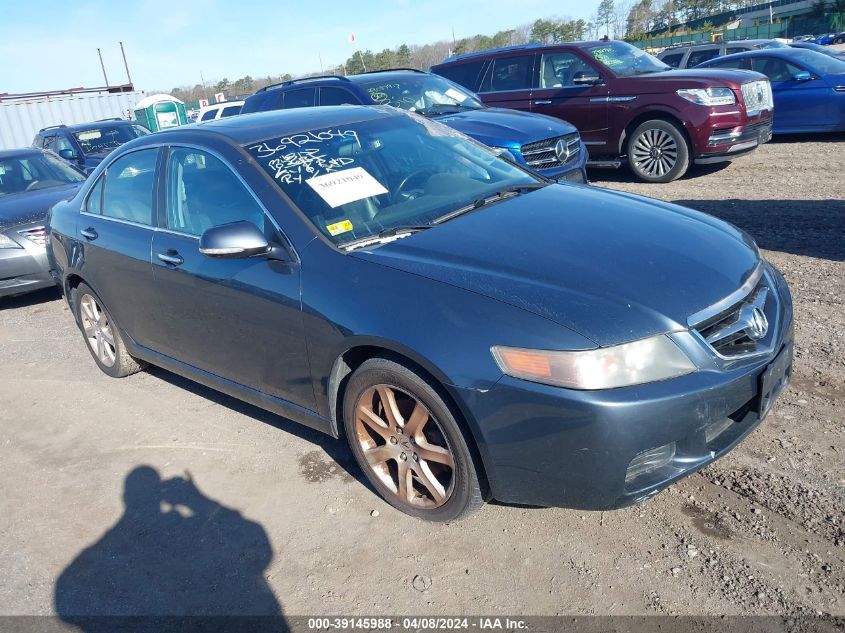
(176, 560)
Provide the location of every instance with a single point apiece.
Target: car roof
(20, 152)
(258, 126)
(386, 74)
(788, 53)
(531, 46)
(80, 127)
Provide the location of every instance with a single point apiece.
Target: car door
(235, 318)
(562, 93)
(799, 104)
(115, 230)
(508, 82)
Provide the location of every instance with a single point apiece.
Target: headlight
(6, 242)
(709, 96)
(646, 360)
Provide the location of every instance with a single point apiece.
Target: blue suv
(548, 145)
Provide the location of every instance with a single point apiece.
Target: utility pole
(103, 66)
(123, 52)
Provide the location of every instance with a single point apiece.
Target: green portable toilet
(159, 112)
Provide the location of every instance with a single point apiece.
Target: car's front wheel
(102, 336)
(408, 443)
(658, 151)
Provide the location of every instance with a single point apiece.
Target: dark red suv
(628, 105)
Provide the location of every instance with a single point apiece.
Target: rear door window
(466, 74)
(302, 98)
(230, 111)
(702, 55)
(209, 115)
(337, 96)
(673, 60)
(129, 184)
(509, 73)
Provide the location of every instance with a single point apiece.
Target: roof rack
(51, 127)
(393, 70)
(515, 47)
(301, 80)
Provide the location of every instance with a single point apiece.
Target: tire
(440, 478)
(658, 151)
(102, 335)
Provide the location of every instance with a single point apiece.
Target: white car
(219, 111)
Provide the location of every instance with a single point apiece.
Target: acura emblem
(758, 325)
(562, 150)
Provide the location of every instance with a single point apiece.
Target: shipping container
(22, 116)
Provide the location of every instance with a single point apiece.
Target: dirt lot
(277, 517)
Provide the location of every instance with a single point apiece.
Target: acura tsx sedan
(471, 329)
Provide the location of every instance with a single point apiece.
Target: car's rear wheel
(102, 336)
(408, 443)
(658, 151)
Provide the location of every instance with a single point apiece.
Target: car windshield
(423, 93)
(35, 171)
(626, 60)
(366, 179)
(817, 62)
(104, 139)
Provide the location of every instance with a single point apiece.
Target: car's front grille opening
(552, 152)
(744, 328)
(37, 234)
(757, 96)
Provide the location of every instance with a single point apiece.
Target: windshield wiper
(392, 231)
(492, 198)
(444, 108)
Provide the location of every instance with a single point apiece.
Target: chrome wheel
(98, 330)
(654, 152)
(404, 446)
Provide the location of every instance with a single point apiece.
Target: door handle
(172, 257)
(89, 233)
(543, 102)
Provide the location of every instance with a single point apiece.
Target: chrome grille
(37, 234)
(547, 154)
(744, 328)
(757, 96)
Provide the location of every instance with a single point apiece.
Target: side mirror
(802, 76)
(236, 240)
(587, 80)
(67, 154)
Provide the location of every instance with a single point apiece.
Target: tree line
(629, 19)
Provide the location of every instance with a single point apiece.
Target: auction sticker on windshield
(344, 226)
(456, 95)
(343, 187)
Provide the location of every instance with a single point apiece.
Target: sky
(50, 45)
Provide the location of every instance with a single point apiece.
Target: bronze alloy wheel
(405, 446)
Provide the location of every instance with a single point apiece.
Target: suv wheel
(102, 335)
(658, 151)
(408, 443)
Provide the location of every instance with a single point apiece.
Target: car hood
(612, 267)
(670, 80)
(30, 206)
(500, 127)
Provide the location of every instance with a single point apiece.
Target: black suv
(84, 145)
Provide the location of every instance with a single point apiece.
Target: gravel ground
(259, 514)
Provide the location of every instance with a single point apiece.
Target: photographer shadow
(175, 560)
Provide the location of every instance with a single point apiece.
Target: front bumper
(549, 446)
(23, 269)
(726, 143)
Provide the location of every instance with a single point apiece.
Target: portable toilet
(159, 112)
